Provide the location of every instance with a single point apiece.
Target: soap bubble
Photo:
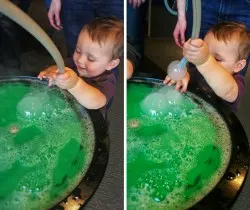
(164, 102)
(174, 72)
(155, 104)
(32, 105)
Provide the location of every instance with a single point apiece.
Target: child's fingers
(192, 55)
(184, 88)
(166, 80)
(41, 75)
(196, 42)
(191, 48)
(50, 82)
(178, 85)
(63, 77)
(172, 82)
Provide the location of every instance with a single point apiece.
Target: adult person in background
(73, 15)
(212, 12)
(133, 59)
(136, 12)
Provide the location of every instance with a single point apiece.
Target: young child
(99, 46)
(218, 59)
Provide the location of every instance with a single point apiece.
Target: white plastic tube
(195, 28)
(17, 15)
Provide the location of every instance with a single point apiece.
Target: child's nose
(82, 59)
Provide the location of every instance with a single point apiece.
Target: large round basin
(54, 152)
(183, 151)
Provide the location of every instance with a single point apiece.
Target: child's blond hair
(226, 31)
(107, 29)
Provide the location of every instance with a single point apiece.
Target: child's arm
(87, 95)
(181, 25)
(217, 77)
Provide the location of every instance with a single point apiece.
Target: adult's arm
(136, 3)
(181, 25)
(54, 14)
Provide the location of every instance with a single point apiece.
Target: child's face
(92, 59)
(225, 53)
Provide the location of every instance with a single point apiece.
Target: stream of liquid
(178, 148)
(45, 146)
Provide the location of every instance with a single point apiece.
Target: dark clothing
(77, 13)
(136, 25)
(215, 11)
(198, 80)
(9, 41)
(105, 83)
(132, 55)
(10, 33)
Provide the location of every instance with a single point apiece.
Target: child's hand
(196, 51)
(179, 84)
(67, 80)
(49, 73)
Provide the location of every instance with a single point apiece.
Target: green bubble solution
(46, 147)
(178, 148)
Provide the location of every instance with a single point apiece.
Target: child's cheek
(90, 66)
(74, 57)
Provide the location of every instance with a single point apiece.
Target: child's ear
(240, 65)
(112, 64)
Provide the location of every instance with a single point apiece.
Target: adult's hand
(136, 3)
(179, 32)
(54, 14)
(181, 25)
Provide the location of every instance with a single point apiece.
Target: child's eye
(218, 59)
(77, 51)
(91, 59)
